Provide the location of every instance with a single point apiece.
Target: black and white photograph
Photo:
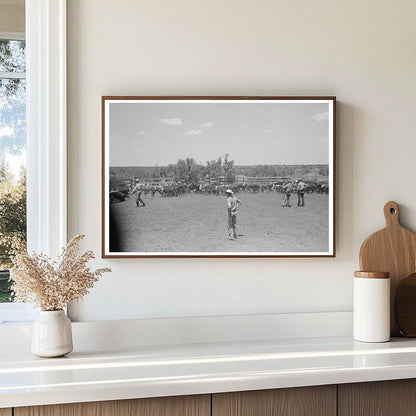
(218, 176)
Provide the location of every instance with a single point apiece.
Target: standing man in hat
(232, 205)
(301, 192)
(138, 189)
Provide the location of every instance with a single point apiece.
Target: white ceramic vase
(52, 334)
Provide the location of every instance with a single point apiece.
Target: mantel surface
(200, 368)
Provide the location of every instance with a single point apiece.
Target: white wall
(361, 51)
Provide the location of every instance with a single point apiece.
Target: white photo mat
(188, 135)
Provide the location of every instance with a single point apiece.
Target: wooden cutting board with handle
(393, 250)
(405, 306)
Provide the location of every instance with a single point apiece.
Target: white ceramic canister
(371, 309)
(52, 334)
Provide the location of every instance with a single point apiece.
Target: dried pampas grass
(53, 285)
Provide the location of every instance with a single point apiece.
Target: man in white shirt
(287, 188)
(301, 192)
(232, 205)
(138, 189)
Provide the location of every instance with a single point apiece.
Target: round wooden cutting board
(392, 250)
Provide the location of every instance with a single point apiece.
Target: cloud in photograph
(321, 116)
(194, 132)
(176, 130)
(171, 121)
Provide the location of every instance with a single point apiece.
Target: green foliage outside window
(12, 148)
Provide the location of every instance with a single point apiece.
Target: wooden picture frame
(188, 129)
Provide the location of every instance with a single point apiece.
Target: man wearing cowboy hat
(232, 205)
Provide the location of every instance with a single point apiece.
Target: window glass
(12, 155)
(12, 56)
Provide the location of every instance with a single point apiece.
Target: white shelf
(148, 371)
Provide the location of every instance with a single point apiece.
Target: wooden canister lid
(372, 275)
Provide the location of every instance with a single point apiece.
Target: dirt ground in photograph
(198, 223)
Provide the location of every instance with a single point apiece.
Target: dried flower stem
(53, 285)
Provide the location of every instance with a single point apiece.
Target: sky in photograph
(149, 134)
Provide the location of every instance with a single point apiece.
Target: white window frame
(12, 35)
(46, 124)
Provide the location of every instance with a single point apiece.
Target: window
(12, 167)
(12, 155)
(42, 97)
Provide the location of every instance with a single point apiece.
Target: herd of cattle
(179, 189)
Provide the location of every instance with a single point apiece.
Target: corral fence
(122, 184)
(266, 180)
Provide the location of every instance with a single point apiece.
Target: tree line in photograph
(189, 171)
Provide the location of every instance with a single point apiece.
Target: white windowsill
(16, 313)
(152, 371)
(172, 356)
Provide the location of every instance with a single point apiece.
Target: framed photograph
(218, 177)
